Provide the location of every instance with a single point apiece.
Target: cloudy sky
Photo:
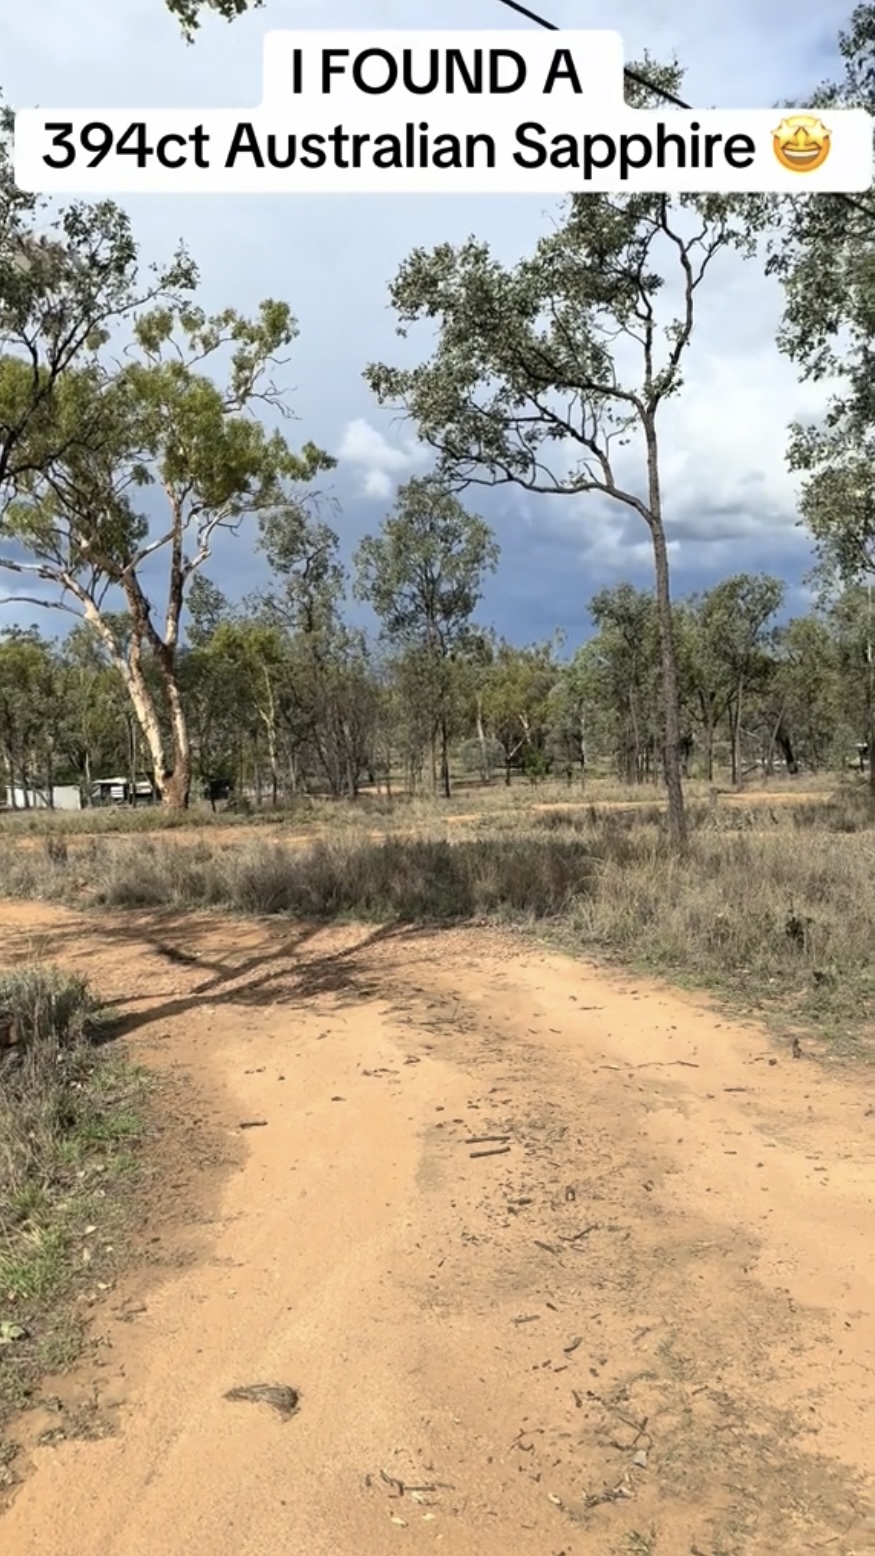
(730, 502)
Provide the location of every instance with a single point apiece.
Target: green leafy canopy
(188, 12)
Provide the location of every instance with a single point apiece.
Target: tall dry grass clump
(776, 900)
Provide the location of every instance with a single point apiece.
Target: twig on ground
(665, 1064)
(576, 1236)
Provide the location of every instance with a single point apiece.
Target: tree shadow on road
(249, 965)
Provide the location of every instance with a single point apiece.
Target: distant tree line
(131, 436)
(282, 697)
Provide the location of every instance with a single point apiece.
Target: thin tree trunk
(481, 739)
(132, 760)
(387, 753)
(274, 769)
(870, 719)
(677, 821)
(269, 720)
(773, 740)
(788, 753)
(445, 760)
(635, 761)
(736, 736)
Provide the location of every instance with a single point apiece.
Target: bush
(398, 878)
(47, 1006)
(63, 1101)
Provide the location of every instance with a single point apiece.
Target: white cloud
(380, 464)
(726, 486)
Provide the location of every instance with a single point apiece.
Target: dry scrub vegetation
(69, 1112)
(772, 902)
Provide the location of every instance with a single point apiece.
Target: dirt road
(647, 1325)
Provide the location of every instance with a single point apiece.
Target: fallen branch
(576, 1236)
(665, 1064)
(402, 1488)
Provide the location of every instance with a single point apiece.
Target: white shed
(65, 796)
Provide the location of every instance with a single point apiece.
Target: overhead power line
(658, 91)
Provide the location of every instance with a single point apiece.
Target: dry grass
(69, 1112)
(376, 810)
(122, 819)
(773, 902)
(65, 1104)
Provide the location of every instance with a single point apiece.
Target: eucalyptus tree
(69, 280)
(180, 458)
(825, 258)
(423, 575)
(544, 372)
(29, 709)
(516, 702)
